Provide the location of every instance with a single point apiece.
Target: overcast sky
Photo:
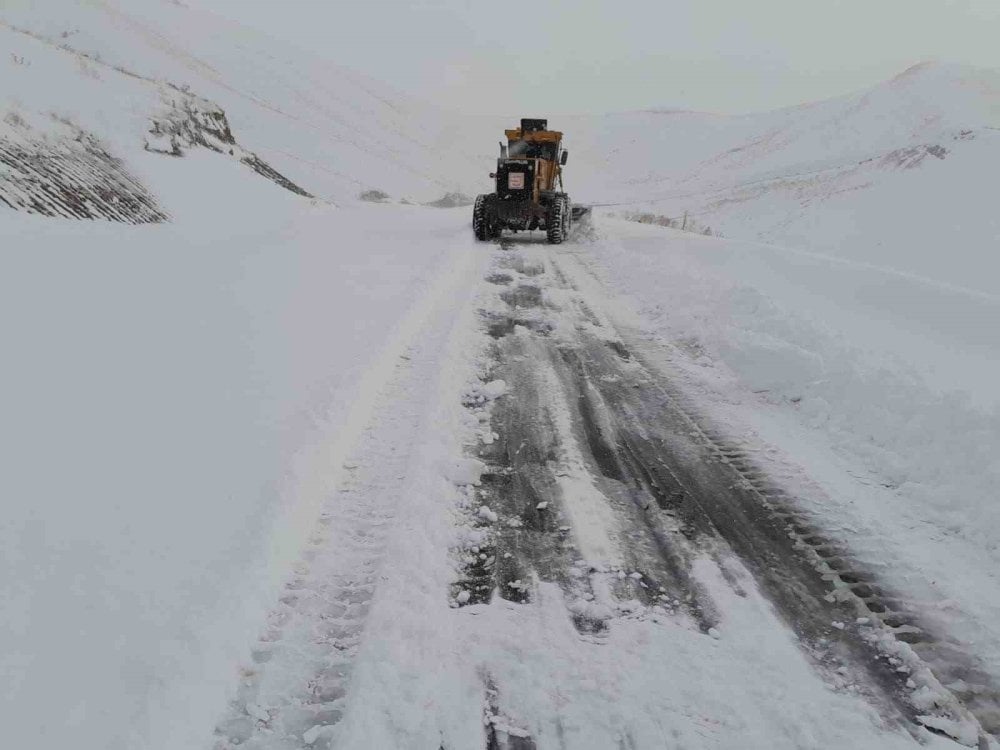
(586, 56)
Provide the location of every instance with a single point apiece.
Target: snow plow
(526, 195)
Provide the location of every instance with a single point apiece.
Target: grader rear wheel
(557, 224)
(485, 224)
(481, 224)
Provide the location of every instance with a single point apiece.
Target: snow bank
(882, 385)
(171, 398)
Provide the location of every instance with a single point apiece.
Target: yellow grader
(526, 198)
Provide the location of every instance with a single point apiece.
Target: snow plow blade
(579, 211)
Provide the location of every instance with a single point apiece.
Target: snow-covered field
(241, 409)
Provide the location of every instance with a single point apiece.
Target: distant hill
(902, 175)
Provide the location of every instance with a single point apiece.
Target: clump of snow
(494, 389)
(483, 393)
(464, 471)
(452, 200)
(257, 712)
(486, 514)
(312, 734)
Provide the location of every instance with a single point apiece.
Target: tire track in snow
(549, 673)
(553, 456)
(551, 522)
(296, 691)
(931, 680)
(294, 694)
(620, 446)
(524, 534)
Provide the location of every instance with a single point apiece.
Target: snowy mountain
(156, 78)
(886, 176)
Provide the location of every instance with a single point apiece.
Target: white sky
(587, 56)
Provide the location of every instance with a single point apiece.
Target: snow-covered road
(420, 492)
(543, 540)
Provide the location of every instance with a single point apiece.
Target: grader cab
(529, 190)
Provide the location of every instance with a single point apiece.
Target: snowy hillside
(890, 176)
(156, 76)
